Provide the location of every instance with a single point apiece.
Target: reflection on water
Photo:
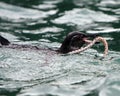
(45, 23)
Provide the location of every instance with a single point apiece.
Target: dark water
(45, 23)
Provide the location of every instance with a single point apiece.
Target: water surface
(45, 23)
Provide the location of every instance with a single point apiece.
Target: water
(45, 23)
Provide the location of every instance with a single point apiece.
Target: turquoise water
(45, 23)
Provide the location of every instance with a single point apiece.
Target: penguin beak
(87, 38)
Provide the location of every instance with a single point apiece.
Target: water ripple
(45, 23)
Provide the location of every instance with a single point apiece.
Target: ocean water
(45, 23)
